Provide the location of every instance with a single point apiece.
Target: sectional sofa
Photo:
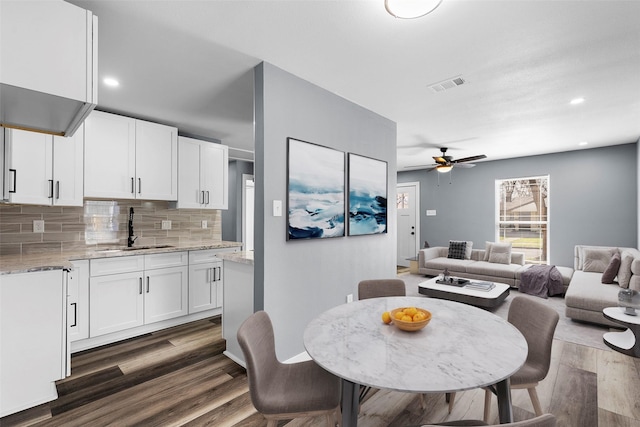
(478, 266)
(587, 296)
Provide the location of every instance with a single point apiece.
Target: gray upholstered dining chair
(545, 420)
(376, 288)
(285, 390)
(537, 323)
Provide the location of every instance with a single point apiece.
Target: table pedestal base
(350, 403)
(625, 342)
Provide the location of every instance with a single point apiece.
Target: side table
(625, 342)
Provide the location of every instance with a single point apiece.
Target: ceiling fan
(444, 163)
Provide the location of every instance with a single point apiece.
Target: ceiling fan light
(444, 168)
(410, 9)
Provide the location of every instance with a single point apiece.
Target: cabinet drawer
(125, 264)
(207, 255)
(169, 259)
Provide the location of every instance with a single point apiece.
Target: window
(402, 200)
(522, 216)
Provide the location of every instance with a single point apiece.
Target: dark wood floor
(179, 377)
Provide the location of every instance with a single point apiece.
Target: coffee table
(625, 342)
(475, 297)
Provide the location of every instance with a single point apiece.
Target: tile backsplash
(64, 227)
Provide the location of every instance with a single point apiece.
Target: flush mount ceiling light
(409, 9)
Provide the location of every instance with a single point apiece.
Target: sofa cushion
(586, 292)
(596, 260)
(611, 271)
(484, 268)
(454, 265)
(624, 271)
(457, 250)
(500, 253)
(487, 250)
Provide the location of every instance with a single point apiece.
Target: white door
(166, 291)
(30, 167)
(68, 172)
(408, 228)
(215, 174)
(156, 161)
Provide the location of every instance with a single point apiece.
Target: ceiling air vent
(447, 84)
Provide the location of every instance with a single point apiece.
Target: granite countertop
(10, 264)
(242, 257)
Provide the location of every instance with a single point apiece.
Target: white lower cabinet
(32, 338)
(205, 281)
(135, 290)
(78, 301)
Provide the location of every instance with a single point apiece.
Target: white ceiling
(189, 64)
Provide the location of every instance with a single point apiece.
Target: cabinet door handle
(207, 198)
(15, 178)
(139, 185)
(50, 189)
(57, 189)
(140, 285)
(219, 273)
(202, 199)
(133, 190)
(75, 314)
(147, 284)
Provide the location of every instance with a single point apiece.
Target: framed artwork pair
(328, 197)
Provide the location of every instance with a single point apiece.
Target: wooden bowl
(410, 326)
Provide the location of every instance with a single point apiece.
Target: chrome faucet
(131, 237)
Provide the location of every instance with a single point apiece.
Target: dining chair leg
(533, 394)
(487, 405)
(451, 399)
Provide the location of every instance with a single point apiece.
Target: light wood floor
(180, 377)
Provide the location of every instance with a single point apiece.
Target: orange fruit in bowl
(386, 317)
(411, 311)
(399, 315)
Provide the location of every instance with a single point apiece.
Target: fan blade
(470, 159)
(463, 165)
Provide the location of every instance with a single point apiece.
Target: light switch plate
(166, 224)
(277, 208)
(431, 212)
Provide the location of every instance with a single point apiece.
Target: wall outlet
(350, 298)
(166, 224)
(38, 226)
(203, 224)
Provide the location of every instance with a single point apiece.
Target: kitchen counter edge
(12, 264)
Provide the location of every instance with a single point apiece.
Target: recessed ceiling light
(583, 143)
(110, 81)
(576, 101)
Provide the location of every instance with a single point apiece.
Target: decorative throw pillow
(596, 260)
(624, 272)
(500, 253)
(469, 248)
(487, 250)
(611, 271)
(457, 249)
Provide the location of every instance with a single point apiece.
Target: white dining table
(462, 348)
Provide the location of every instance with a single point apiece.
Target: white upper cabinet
(43, 169)
(203, 169)
(127, 158)
(48, 65)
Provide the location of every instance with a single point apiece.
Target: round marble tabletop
(462, 347)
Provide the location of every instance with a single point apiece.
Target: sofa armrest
(429, 253)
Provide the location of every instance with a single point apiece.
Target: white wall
(297, 280)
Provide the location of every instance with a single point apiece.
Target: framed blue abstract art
(316, 191)
(367, 195)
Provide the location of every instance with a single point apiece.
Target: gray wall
(232, 217)
(593, 199)
(295, 281)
